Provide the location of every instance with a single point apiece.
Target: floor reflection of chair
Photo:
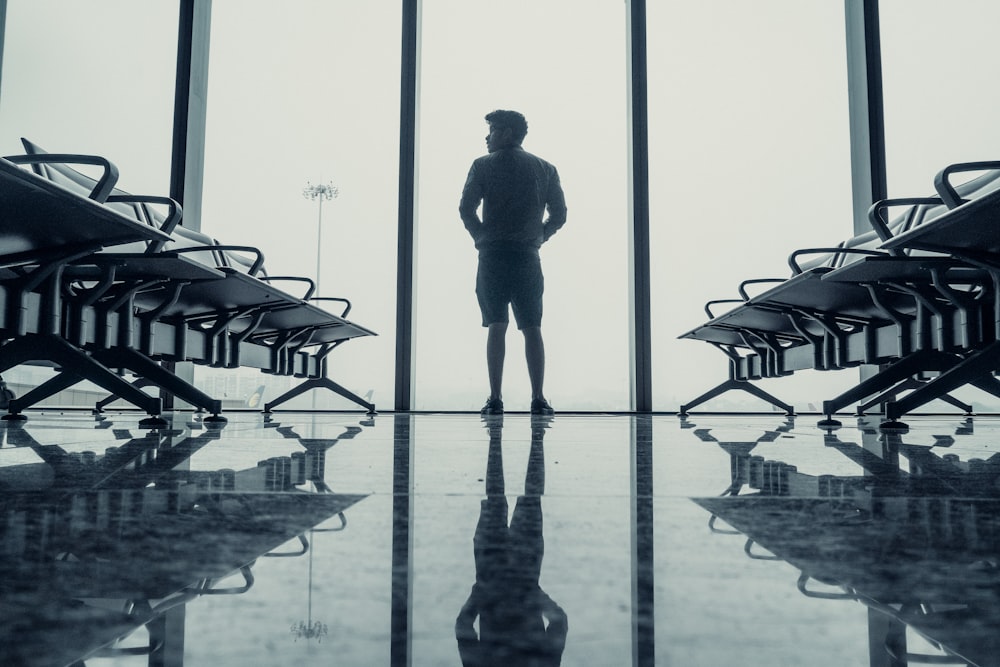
(918, 547)
(739, 451)
(126, 539)
(134, 462)
(519, 624)
(137, 553)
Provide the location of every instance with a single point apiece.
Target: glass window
(749, 160)
(94, 78)
(936, 63)
(309, 95)
(479, 56)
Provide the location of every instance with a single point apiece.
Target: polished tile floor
(342, 539)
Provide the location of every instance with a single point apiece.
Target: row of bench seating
(99, 282)
(917, 297)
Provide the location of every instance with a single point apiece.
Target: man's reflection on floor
(519, 624)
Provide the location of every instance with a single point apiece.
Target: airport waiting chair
(44, 226)
(863, 302)
(213, 304)
(800, 311)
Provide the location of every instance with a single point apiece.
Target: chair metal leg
(319, 383)
(153, 373)
(951, 400)
(909, 385)
(76, 365)
(138, 383)
(990, 385)
(889, 378)
(968, 371)
(738, 385)
(49, 388)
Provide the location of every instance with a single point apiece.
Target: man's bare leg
(534, 353)
(496, 349)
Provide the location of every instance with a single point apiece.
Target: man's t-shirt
(515, 188)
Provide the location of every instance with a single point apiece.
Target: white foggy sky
(748, 155)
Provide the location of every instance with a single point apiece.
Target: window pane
(478, 56)
(309, 93)
(749, 160)
(95, 78)
(940, 100)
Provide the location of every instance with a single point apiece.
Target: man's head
(507, 128)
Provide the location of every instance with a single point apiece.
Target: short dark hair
(512, 120)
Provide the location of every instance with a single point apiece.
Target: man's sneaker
(539, 423)
(540, 406)
(493, 424)
(494, 406)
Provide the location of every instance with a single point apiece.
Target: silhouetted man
(515, 189)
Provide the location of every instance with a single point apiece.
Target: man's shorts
(509, 555)
(510, 278)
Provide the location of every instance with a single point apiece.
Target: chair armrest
(174, 213)
(257, 264)
(290, 554)
(757, 281)
(796, 269)
(105, 184)
(335, 529)
(248, 581)
(312, 286)
(347, 308)
(212, 248)
(944, 187)
(301, 279)
(708, 306)
(878, 221)
(843, 594)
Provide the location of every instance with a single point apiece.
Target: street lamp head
(310, 630)
(327, 191)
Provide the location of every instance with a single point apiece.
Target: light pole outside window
(319, 193)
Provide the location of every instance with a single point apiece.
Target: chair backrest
(922, 210)
(870, 240)
(76, 181)
(921, 214)
(181, 237)
(979, 186)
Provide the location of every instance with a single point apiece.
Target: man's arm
(468, 641)
(472, 195)
(555, 633)
(555, 202)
